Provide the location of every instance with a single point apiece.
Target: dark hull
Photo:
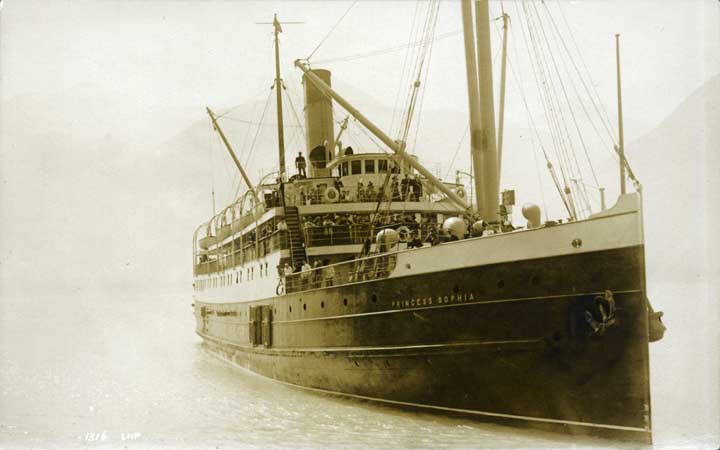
(506, 342)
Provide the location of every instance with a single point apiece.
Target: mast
(473, 103)
(487, 113)
(501, 116)
(398, 148)
(278, 96)
(232, 154)
(621, 144)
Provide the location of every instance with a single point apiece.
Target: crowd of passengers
(416, 229)
(399, 188)
(420, 232)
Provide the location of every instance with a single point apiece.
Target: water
(127, 372)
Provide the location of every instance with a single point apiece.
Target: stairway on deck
(295, 237)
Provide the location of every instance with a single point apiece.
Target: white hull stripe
(444, 408)
(595, 235)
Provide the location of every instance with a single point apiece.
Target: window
(356, 167)
(382, 166)
(344, 169)
(369, 166)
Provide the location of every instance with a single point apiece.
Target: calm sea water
(99, 372)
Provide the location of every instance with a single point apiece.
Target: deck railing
(365, 269)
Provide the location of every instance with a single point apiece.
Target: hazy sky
(96, 95)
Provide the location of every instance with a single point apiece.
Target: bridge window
(344, 169)
(356, 167)
(382, 166)
(369, 166)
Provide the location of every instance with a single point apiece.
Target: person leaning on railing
(329, 272)
(305, 273)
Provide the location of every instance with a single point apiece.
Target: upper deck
(352, 198)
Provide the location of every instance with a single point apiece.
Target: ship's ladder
(295, 237)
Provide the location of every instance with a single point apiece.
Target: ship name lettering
(428, 301)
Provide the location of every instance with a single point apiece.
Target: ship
(364, 275)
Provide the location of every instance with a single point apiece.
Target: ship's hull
(522, 340)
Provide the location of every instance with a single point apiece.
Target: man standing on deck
(300, 165)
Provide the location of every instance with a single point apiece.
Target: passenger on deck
(329, 273)
(300, 165)
(317, 276)
(404, 188)
(415, 242)
(311, 196)
(305, 273)
(371, 194)
(394, 188)
(328, 225)
(282, 226)
(360, 192)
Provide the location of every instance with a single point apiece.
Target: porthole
(535, 280)
(291, 309)
(501, 284)
(345, 301)
(322, 304)
(374, 298)
(304, 307)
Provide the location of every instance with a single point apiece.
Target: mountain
(672, 163)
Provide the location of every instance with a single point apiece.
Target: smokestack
(319, 125)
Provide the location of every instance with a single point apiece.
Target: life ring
(403, 233)
(460, 192)
(331, 195)
(280, 289)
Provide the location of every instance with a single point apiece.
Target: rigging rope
(401, 82)
(257, 131)
(212, 164)
(554, 66)
(607, 123)
(545, 86)
(457, 150)
(533, 126)
(425, 82)
(428, 31)
(250, 122)
(386, 50)
(331, 30)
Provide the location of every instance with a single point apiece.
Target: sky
(107, 159)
